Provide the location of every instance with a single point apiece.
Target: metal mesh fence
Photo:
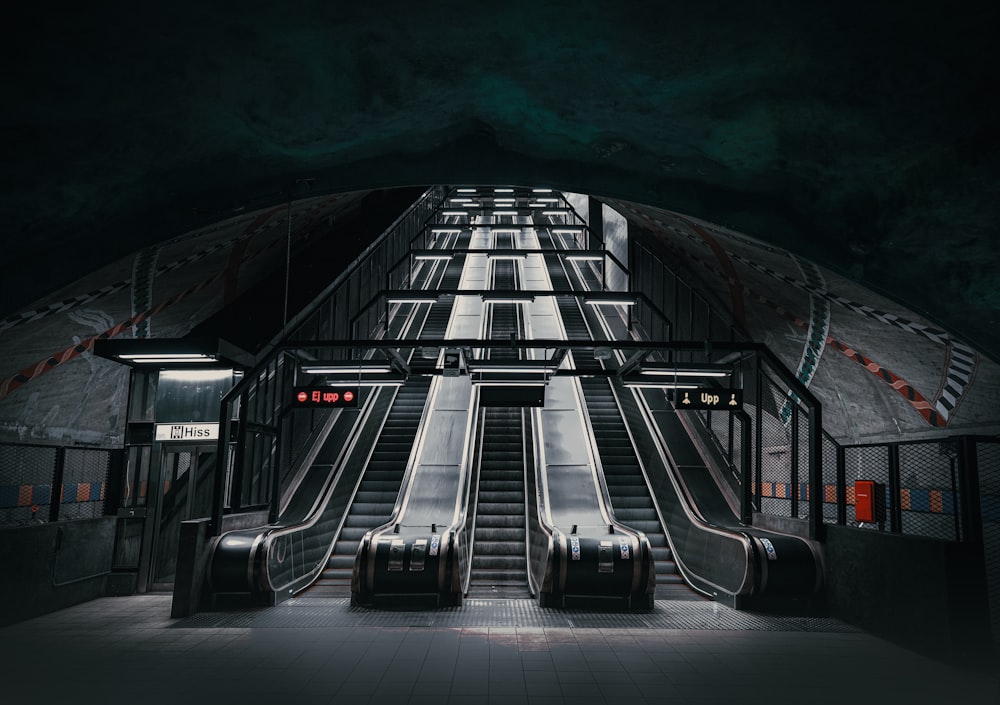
(928, 490)
(85, 479)
(829, 480)
(775, 453)
(988, 457)
(26, 474)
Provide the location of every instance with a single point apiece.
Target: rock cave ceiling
(863, 135)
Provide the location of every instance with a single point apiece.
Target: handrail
(233, 407)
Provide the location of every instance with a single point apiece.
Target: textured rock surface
(862, 135)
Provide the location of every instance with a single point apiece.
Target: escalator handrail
(257, 573)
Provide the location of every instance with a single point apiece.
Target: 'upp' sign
(715, 399)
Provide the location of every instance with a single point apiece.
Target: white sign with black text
(188, 432)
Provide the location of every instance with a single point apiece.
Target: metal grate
(668, 614)
(85, 480)
(829, 479)
(26, 474)
(775, 453)
(928, 494)
(988, 456)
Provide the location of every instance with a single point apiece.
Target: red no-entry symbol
(302, 396)
(348, 396)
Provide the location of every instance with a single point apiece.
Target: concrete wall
(47, 567)
(927, 595)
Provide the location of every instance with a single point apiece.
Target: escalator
(376, 495)
(282, 560)
(717, 555)
(630, 496)
(498, 558)
(499, 567)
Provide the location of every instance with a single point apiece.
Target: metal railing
(41, 484)
(258, 440)
(793, 469)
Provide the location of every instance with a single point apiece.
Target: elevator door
(185, 493)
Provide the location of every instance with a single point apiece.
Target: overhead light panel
(653, 384)
(504, 212)
(611, 301)
(541, 190)
(585, 258)
(506, 297)
(688, 370)
(500, 254)
(346, 368)
(503, 190)
(466, 190)
(450, 213)
(180, 357)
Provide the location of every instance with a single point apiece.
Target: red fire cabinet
(869, 501)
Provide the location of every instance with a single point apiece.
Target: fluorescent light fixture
(500, 254)
(644, 384)
(461, 200)
(541, 190)
(585, 258)
(365, 380)
(449, 213)
(547, 200)
(505, 297)
(536, 205)
(346, 368)
(182, 357)
(689, 370)
(504, 231)
(503, 190)
(446, 231)
(504, 212)
(466, 190)
(196, 375)
(411, 300)
(562, 211)
(611, 302)
(506, 383)
(567, 231)
(432, 257)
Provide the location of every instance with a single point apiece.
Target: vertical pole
(841, 485)
(288, 256)
(969, 491)
(222, 468)
(816, 472)
(758, 424)
(55, 494)
(746, 476)
(796, 487)
(895, 511)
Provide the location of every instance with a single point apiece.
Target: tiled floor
(128, 650)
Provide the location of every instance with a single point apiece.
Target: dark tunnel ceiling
(861, 134)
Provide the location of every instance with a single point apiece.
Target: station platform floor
(493, 652)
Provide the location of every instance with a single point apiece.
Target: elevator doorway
(185, 492)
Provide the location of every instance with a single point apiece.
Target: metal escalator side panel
(231, 561)
(238, 562)
(347, 456)
(694, 560)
